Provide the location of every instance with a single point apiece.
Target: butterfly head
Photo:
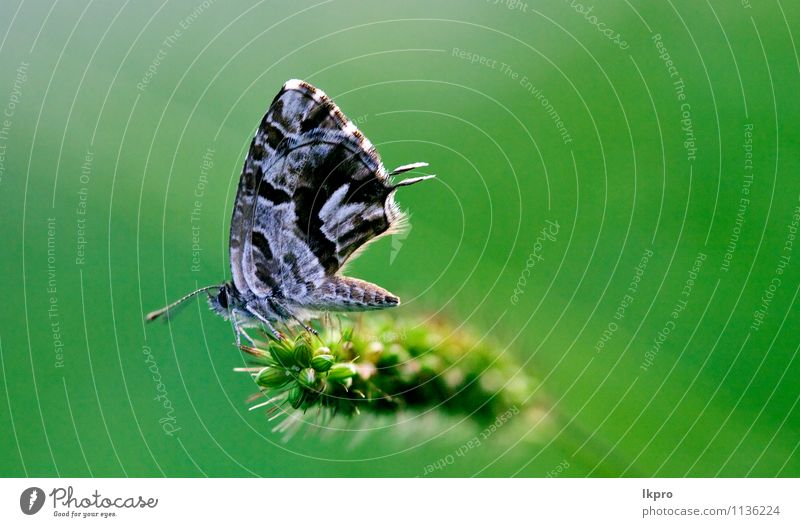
(224, 300)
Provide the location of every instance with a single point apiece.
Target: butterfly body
(312, 193)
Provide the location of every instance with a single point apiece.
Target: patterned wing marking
(278, 261)
(321, 198)
(297, 109)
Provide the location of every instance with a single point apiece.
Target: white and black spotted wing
(313, 191)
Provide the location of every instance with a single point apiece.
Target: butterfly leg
(277, 334)
(241, 332)
(238, 326)
(282, 310)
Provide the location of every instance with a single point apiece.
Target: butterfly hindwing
(320, 198)
(295, 110)
(313, 192)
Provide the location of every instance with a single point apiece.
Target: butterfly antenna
(411, 181)
(157, 313)
(406, 168)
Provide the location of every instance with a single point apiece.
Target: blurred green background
(638, 126)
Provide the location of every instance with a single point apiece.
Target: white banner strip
(400, 502)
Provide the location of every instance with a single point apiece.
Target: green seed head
(322, 363)
(374, 351)
(271, 377)
(322, 350)
(410, 366)
(307, 377)
(282, 354)
(296, 395)
(303, 354)
(341, 371)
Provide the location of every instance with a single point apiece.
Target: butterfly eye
(222, 298)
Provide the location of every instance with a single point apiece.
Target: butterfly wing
(297, 108)
(322, 197)
(313, 192)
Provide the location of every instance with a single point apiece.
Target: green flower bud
(296, 396)
(374, 351)
(432, 340)
(257, 356)
(282, 354)
(347, 334)
(431, 364)
(322, 363)
(408, 371)
(341, 371)
(303, 354)
(347, 348)
(307, 377)
(322, 350)
(393, 355)
(272, 377)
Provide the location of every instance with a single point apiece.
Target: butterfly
(313, 192)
